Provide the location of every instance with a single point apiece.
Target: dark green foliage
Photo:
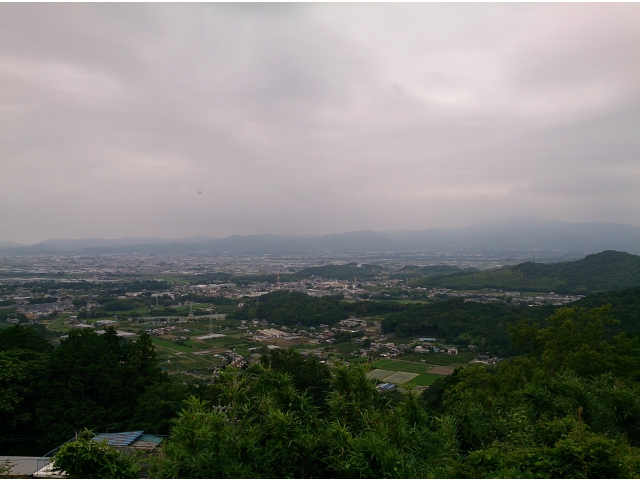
(372, 309)
(121, 305)
(9, 313)
(484, 325)
(39, 300)
(19, 337)
(412, 271)
(348, 271)
(341, 337)
(607, 270)
(291, 308)
(625, 307)
(86, 458)
(262, 426)
(308, 374)
(93, 380)
(160, 402)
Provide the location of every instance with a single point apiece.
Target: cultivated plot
(398, 365)
(379, 374)
(400, 377)
(424, 380)
(441, 370)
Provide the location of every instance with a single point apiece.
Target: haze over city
(171, 120)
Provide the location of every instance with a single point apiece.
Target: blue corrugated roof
(151, 438)
(121, 439)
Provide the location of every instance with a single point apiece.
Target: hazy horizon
(390, 230)
(175, 120)
(515, 234)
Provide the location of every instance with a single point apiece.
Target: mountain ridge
(517, 234)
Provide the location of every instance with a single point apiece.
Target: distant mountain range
(519, 235)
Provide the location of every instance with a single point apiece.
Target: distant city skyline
(171, 120)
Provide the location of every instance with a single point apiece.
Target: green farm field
(171, 345)
(444, 359)
(400, 366)
(424, 380)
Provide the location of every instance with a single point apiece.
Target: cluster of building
(551, 298)
(166, 330)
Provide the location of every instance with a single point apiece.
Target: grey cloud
(314, 118)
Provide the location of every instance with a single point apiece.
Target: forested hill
(486, 325)
(347, 271)
(608, 270)
(625, 307)
(291, 308)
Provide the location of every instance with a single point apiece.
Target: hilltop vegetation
(347, 271)
(413, 271)
(625, 307)
(483, 325)
(607, 270)
(90, 380)
(291, 308)
(486, 325)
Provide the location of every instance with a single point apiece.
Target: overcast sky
(212, 119)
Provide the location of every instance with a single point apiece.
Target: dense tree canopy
(90, 380)
(457, 321)
(292, 308)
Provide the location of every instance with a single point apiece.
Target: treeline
(94, 381)
(568, 407)
(460, 322)
(625, 307)
(413, 271)
(607, 270)
(293, 308)
(348, 271)
(486, 325)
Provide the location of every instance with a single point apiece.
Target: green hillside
(609, 270)
(625, 307)
(413, 271)
(291, 308)
(342, 272)
(486, 325)
(455, 321)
